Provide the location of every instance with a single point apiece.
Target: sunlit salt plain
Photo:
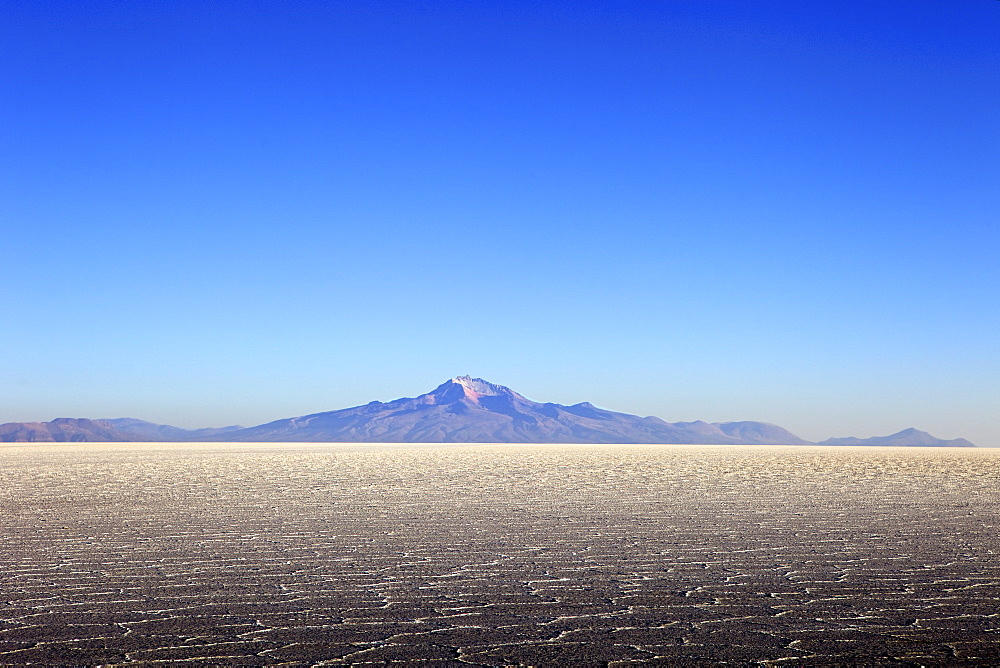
(498, 554)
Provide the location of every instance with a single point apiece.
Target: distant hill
(140, 430)
(907, 437)
(460, 410)
(79, 430)
(61, 429)
(760, 432)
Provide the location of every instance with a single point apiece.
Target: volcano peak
(480, 387)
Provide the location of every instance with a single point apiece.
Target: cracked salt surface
(261, 554)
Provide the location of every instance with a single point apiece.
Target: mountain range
(460, 410)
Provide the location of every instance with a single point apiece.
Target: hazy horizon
(364, 405)
(719, 210)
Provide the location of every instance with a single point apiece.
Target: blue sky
(233, 212)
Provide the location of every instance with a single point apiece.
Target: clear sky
(238, 211)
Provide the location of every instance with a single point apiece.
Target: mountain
(140, 430)
(908, 437)
(472, 410)
(78, 430)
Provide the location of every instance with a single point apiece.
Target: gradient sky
(237, 211)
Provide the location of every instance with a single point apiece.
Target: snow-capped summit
(477, 387)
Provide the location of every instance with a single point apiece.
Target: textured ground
(499, 555)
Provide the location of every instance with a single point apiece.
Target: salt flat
(498, 554)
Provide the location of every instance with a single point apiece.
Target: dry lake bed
(262, 554)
